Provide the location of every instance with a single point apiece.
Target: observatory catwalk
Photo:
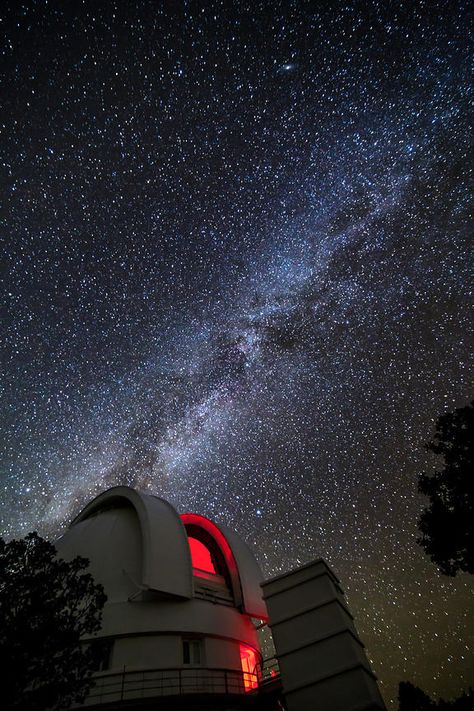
(187, 611)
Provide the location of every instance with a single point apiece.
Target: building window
(103, 649)
(192, 651)
(248, 663)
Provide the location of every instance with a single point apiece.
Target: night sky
(239, 275)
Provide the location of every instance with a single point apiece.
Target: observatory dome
(181, 594)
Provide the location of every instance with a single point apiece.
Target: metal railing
(125, 685)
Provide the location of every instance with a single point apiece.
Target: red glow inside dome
(201, 556)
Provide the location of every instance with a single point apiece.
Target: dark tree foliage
(447, 525)
(411, 698)
(46, 606)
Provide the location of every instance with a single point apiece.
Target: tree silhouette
(412, 698)
(46, 606)
(447, 525)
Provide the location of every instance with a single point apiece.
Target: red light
(201, 556)
(218, 536)
(248, 662)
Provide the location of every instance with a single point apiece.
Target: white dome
(137, 541)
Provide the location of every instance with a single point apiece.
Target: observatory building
(186, 605)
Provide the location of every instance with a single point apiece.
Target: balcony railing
(128, 685)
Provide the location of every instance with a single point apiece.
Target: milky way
(240, 276)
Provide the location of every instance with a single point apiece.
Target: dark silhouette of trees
(411, 698)
(447, 525)
(46, 606)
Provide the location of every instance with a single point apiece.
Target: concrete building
(185, 601)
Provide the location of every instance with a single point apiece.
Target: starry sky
(239, 275)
